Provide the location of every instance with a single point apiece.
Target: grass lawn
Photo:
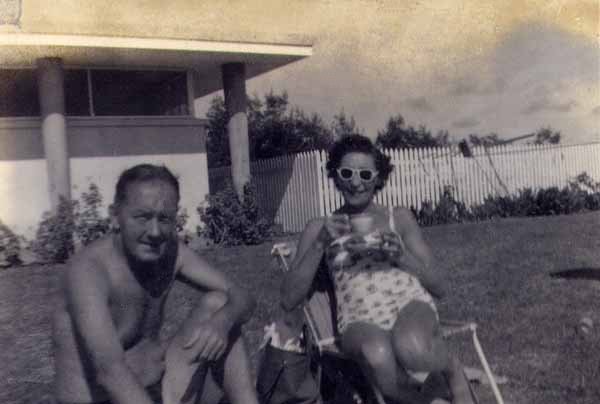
(499, 277)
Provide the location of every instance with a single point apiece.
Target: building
(89, 88)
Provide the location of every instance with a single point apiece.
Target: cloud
(546, 104)
(596, 111)
(465, 123)
(468, 86)
(419, 104)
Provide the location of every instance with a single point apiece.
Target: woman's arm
(297, 282)
(417, 257)
(317, 235)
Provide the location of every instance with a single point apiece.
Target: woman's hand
(334, 227)
(392, 246)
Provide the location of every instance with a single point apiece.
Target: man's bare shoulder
(188, 257)
(93, 260)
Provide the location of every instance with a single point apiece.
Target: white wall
(24, 185)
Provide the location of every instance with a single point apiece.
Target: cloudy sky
(468, 66)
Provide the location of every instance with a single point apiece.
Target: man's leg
(234, 374)
(184, 376)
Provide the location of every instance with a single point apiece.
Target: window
(139, 92)
(114, 92)
(18, 93)
(77, 102)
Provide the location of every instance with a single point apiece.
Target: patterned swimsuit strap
(392, 223)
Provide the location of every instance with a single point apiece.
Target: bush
(581, 194)
(54, 237)
(10, 246)
(229, 221)
(89, 224)
(448, 210)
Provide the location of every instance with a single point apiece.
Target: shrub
(587, 189)
(448, 210)
(89, 224)
(581, 194)
(10, 246)
(54, 237)
(229, 221)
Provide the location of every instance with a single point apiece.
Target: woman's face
(358, 190)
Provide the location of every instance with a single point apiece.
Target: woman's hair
(144, 173)
(359, 144)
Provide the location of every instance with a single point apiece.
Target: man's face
(147, 220)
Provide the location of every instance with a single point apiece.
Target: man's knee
(208, 305)
(212, 301)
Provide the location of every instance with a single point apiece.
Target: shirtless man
(106, 328)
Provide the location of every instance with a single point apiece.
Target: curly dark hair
(358, 144)
(142, 173)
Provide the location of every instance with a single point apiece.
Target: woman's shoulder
(404, 218)
(314, 225)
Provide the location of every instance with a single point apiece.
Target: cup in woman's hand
(362, 223)
(338, 225)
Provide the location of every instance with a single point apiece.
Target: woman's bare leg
(372, 348)
(419, 346)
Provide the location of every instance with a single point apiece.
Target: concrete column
(54, 129)
(234, 86)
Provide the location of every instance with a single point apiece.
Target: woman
(383, 276)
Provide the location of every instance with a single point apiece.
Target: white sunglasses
(347, 173)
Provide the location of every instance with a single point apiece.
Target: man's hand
(208, 340)
(147, 360)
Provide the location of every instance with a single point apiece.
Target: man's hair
(358, 144)
(143, 173)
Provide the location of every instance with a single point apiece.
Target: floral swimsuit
(367, 288)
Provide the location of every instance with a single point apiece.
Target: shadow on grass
(578, 273)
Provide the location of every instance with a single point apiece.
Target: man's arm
(418, 257)
(239, 306)
(87, 291)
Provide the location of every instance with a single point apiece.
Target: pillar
(234, 87)
(54, 130)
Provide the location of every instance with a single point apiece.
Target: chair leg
(378, 395)
(486, 367)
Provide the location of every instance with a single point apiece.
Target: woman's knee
(419, 352)
(377, 352)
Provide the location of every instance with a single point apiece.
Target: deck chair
(317, 314)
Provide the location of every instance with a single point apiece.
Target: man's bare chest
(136, 314)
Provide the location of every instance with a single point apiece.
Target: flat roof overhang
(18, 50)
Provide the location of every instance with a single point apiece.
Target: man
(106, 328)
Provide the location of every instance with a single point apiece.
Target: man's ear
(113, 211)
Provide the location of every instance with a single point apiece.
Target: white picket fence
(293, 189)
